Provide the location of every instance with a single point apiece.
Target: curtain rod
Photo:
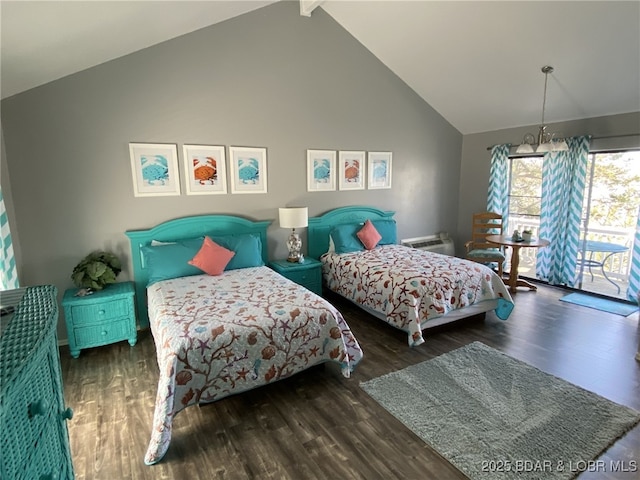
(592, 138)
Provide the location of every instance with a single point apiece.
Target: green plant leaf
(96, 270)
(77, 277)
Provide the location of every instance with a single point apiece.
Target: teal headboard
(180, 229)
(319, 227)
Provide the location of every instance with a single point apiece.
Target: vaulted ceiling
(478, 63)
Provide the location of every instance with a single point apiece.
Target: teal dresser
(106, 316)
(308, 273)
(33, 430)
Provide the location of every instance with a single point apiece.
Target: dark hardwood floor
(320, 425)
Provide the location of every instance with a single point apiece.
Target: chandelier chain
(544, 97)
(546, 141)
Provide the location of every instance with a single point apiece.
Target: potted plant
(96, 270)
(527, 234)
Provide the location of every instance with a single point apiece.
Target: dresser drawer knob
(101, 312)
(67, 414)
(37, 408)
(103, 333)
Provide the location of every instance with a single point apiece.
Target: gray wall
(270, 78)
(623, 131)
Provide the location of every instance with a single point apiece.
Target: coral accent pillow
(212, 258)
(369, 236)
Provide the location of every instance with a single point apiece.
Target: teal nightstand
(308, 273)
(106, 316)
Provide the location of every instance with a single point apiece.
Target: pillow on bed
(167, 261)
(387, 230)
(368, 235)
(247, 248)
(211, 258)
(345, 239)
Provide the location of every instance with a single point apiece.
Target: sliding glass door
(609, 217)
(608, 223)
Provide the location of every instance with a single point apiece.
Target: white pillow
(332, 246)
(155, 243)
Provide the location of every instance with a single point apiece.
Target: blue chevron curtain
(563, 183)
(634, 275)
(498, 199)
(8, 273)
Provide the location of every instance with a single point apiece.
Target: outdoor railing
(616, 267)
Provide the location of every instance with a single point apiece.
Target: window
(525, 199)
(525, 193)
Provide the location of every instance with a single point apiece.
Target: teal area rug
(602, 304)
(494, 417)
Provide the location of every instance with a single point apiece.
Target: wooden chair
(478, 248)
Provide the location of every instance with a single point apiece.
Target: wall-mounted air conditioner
(438, 243)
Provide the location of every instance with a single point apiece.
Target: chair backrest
(485, 224)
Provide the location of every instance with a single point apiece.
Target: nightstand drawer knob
(104, 333)
(37, 408)
(101, 312)
(67, 414)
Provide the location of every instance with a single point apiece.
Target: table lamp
(293, 217)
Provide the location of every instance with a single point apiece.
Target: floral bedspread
(217, 336)
(411, 286)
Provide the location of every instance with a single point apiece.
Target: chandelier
(546, 141)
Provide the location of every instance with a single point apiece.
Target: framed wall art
(154, 169)
(379, 167)
(351, 168)
(205, 169)
(321, 170)
(248, 169)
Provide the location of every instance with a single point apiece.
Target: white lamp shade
(294, 217)
(560, 146)
(544, 148)
(524, 148)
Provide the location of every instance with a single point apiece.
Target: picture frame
(321, 170)
(248, 169)
(205, 169)
(351, 167)
(154, 169)
(379, 169)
